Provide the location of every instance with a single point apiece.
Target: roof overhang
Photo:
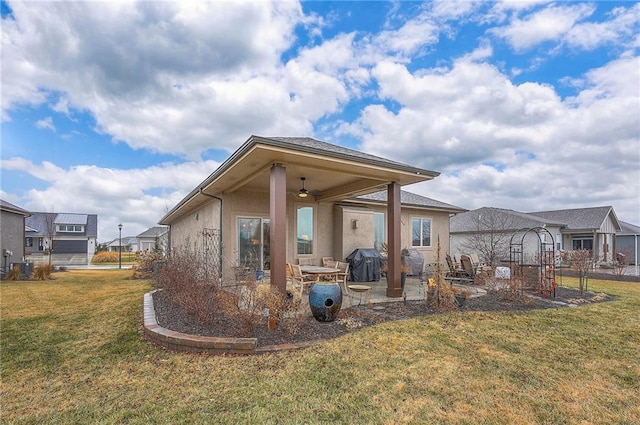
(330, 175)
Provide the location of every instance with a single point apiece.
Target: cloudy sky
(121, 108)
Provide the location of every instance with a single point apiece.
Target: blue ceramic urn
(325, 300)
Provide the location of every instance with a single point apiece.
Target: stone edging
(204, 344)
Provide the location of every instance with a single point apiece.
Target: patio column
(278, 230)
(394, 287)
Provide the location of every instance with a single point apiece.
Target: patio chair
(300, 281)
(467, 266)
(326, 260)
(455, 270)
(479, 267)
(343, 276)
(305, 261)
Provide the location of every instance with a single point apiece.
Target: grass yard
(72, 353)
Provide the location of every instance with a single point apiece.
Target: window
(558, 241)
(69, 228)
(304, 232)
(585, 243)
(40, 244)
(421, 232)
(378, 230)
(29, 242)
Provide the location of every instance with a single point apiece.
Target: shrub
(105, 257)
(185, 281)
(15, 273)
(43, 271)
(147, 258)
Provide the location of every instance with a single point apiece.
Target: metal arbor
(532, 259)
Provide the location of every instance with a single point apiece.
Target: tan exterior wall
(188, 229)
(334, 236)
(346, 237)
(439, 228)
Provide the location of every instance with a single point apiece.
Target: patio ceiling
(330, 174)
(327, 178)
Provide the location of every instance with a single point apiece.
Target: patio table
(319, 271)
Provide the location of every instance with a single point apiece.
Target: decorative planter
(325, 300)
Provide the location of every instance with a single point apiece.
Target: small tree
(50, 233)
(581, 262)
(490, 237)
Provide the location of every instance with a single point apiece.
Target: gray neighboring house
(12, 233)
(628, 242)
(592, 228)
(156, 237)
(74, 237)
(495, 227)
(128, 243)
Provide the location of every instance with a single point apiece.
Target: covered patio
(272, 178)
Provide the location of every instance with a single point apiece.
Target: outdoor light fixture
(303, 193)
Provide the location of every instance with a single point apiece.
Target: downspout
(220, 226)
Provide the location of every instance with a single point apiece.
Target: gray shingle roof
(506, 220)
(154, 232)
(579, 218)
(409, 198)
(307, 143)
(628, 229)
(8, 206)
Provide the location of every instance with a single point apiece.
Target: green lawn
(72, 352)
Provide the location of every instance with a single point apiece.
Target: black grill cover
(364, 265)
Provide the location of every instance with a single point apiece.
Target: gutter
(202, 192)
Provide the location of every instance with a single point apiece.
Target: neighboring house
(278, 200)
(128, 243)
(581, 228)
(154, 238)
(71, 237)
(628, 242)
(12, 234)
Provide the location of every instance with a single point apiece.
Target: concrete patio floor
(414, 290)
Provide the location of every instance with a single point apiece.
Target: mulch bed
(307, 328)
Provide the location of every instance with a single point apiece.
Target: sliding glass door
(253, 243)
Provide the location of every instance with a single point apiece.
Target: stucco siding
(12, 238)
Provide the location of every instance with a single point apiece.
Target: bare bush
(581, 261)
(185, 281)
(43, 271)
(15, 273)
(508, 289)
(181, 278)
(621, 262)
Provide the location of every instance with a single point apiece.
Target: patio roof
(332, 172)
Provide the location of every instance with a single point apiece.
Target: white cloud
(550, 23)
(46, 123)
(162, 76)
(137, 198)
(515, 146)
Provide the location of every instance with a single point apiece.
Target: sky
(122, 108)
